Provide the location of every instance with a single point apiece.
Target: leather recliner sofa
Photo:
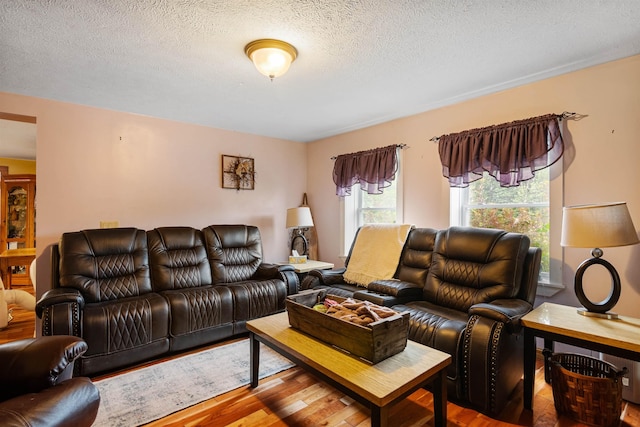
(37, 384)
(135, 295)
(466, 290)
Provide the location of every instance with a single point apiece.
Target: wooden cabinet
(18, 230)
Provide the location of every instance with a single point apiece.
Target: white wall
(95, 164)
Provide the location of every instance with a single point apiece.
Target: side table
(306, 267)
(560, 323)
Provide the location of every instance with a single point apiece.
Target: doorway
(17, 225)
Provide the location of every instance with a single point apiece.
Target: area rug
(139, 397)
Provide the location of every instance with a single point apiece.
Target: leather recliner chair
(37, 384)
(466, 290)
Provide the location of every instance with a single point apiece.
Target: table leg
(5, 275)
(439, 385)
(548, 345)
(254, 349)
(529, 367)
(379, 416)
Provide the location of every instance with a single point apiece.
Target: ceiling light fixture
(271, 57)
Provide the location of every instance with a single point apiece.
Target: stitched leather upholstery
(466, 290)
(134, 295)
(105, 264)
(235, 255)
(37, 385)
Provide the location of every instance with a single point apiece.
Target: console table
(560, 323)
(14, 258)
(306, 267)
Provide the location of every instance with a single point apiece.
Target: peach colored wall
(95, 164)
(19, 167)
(601, 163)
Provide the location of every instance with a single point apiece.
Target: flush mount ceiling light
(271, 57)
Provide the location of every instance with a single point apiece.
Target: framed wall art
(238, 172)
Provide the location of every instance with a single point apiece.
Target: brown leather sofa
(466, 290)
(134, 295)
(37, 384)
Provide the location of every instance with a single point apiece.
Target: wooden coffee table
(377, 386)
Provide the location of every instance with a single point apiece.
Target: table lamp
(300, 220)
(597, 226)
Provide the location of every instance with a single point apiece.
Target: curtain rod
(400, 146)
(564, 115)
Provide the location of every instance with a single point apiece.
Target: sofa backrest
(234, 251)
(105, 264)
(177, 258)
(475, 265)
(416, 256)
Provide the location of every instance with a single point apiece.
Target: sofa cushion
(475, 265)
(124, 332)
(417, 256)
(199, 315)
(177, 258)
(253, 299)
(105, 264)
(234, 251)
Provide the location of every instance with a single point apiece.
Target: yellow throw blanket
(376, 253)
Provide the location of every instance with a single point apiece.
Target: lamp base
(608, 315)
(300, 243)
(602, 308)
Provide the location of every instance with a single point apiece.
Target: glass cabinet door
(17, 216)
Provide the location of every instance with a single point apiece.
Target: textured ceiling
(360, 62)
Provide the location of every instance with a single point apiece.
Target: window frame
(351, 207)
(551, 282)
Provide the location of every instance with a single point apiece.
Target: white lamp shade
(597, 226)
(299, 217)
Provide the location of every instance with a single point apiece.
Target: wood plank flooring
(296, 398)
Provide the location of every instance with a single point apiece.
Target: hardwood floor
(296, 398)
(23, 323)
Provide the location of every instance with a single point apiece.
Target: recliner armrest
(72, 402)
(271, 271)
(323, 278)
(329, 277)
(390, 292)
(59, 296)
(31, 365)
(280, 271)
(283, 272)
(396, 288)
(507, 311)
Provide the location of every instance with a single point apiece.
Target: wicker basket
(586, 389)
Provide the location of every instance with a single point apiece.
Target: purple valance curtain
(373, 169)
(510, 152)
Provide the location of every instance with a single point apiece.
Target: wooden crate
(373, 343)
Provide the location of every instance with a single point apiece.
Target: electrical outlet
(109, 224)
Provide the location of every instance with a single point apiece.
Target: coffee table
(377, 386)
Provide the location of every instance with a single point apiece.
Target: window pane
(378, 208)
(488, 191)
(523, 209)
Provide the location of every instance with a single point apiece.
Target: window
(361, 208)
(523, 209)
